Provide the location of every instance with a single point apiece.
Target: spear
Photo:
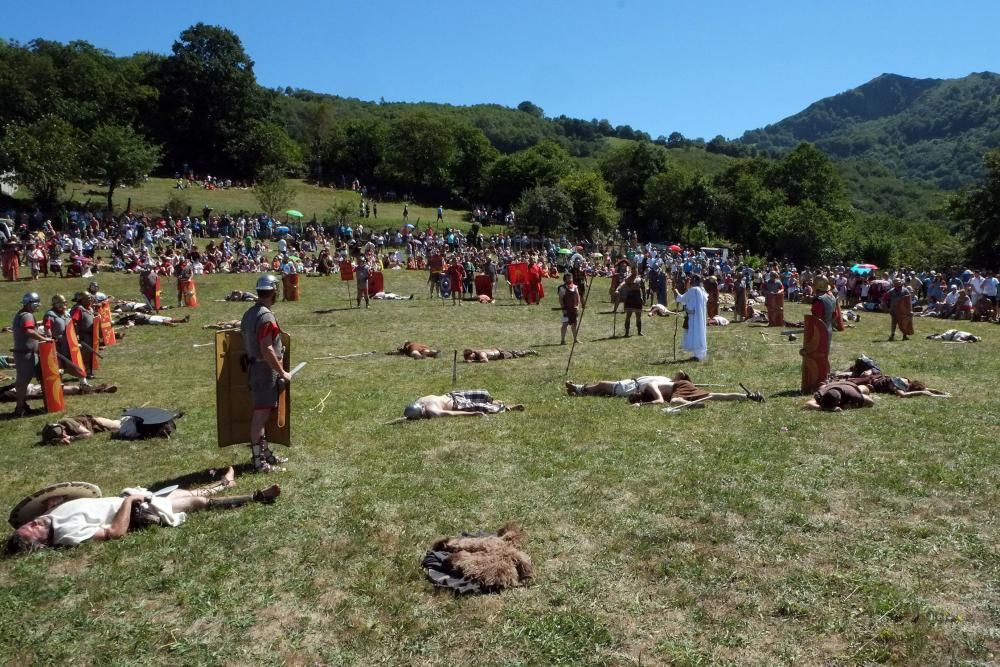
(579, 323)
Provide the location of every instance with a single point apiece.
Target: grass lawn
(311, 200)
(735, 534)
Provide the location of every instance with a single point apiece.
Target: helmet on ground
(31, 298)
(58, 300)
(93, 287)
(267, 283)
(413, 411)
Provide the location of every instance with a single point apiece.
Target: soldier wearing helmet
(264, 351)
(54, 323)
(27, 336)
(82, 316)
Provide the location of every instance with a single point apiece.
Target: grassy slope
(310, 200)
(742, 533)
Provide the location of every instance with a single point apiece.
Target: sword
(283, 395)
(677, 408)
(72, 364)
(90, 349)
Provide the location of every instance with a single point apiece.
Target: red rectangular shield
(95, 344)
(52, 390)
(78, 368)
(107, 326)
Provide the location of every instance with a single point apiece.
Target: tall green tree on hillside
(211, 100)
(42, 156)
(356, 148)
(545, 209)
(264, 145)
(978, 212)
(628, 168)
(420, 147)
(541, 165)
(666, 204)
(594, 210)
(117, 156)
(471, 161)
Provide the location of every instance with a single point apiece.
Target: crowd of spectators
(253, 243)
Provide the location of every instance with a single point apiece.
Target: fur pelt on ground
(493, 561)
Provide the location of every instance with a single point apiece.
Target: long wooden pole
(579, 323)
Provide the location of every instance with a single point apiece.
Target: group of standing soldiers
(29, 333)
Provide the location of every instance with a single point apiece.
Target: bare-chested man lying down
(493, 354)
(135, 319)
(222, 325)
(415, 351)
(657, 389)
(467, 403)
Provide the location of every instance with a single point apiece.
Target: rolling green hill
(932, 130)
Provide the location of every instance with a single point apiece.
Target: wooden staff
(677, 408)
(676, 322)
(454, 368)
(579, 323)
(343, 356)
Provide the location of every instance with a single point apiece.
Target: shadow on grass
(788, 393)
(675, 362)
(201, 477)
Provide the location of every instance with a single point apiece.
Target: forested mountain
(932, 130)
(74, 111)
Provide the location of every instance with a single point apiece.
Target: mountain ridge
(931, 130)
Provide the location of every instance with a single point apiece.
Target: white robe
(695, 302)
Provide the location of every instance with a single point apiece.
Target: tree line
(75, 111)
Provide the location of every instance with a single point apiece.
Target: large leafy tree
(42, 156)
(211, 100)
(263, 145)
(666, 204)
(627, 169)
(471, 161)
(593, 206)
(541, 165)
(978, 211)
(545, 209)
(117, 156)
(356, 149)
(420, 149)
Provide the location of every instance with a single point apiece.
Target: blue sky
(700, 68)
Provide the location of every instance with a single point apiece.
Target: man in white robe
(695, 302)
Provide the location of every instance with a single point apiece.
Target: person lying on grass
(70, 522)
(681, 391)
(866, 372)
(35, 390)
(678, 387)
(493, 354)
(68, 429)
(466, 403)
(391, 296)
(137, 319)
(840, 395)
(415, 351)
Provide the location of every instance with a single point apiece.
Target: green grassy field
(311, 200)
(735, 534)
